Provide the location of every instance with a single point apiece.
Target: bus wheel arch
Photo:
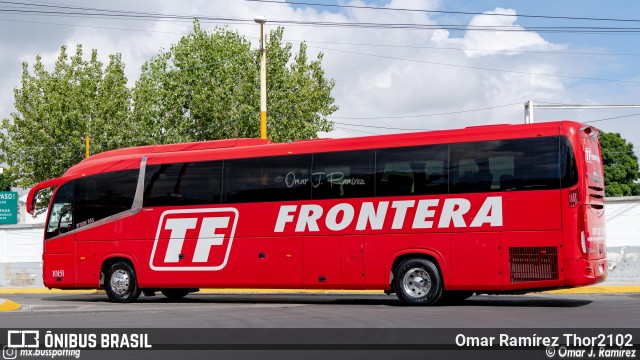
(119, 280)
(417, 279)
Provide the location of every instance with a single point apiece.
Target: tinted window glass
(103, 195)
(347, 174)
(569, 168)
(195, 183)
(275, 178)
(61, 215)
(412, 170)
(505, 165)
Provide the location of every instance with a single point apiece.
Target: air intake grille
(533, 263)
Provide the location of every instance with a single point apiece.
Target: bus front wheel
(121, 284)
(417, 282)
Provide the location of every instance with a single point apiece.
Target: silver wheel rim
(416, 283)
(120, 282)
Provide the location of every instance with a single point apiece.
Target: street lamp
(263, 78)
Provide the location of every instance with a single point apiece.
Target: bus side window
(536, 164)
(99, 196)
(160, 183)
(419, 170)
(180, 184)
(471, 167)
(347, 174)
(505, 165)
(274, 178)
(199, 183)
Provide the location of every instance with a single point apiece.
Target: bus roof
(129, 158)
(191, 146)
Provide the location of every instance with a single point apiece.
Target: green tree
(620, 166)
(6, 180)
(207, 87)
(55, 110)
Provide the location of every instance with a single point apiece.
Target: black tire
(175, 294)
(454, 296)
(121, 283)
(417, 282)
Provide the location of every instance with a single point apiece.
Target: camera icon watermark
(9, 353)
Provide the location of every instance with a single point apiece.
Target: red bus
(430, 216)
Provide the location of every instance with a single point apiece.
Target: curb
(44, 291)
(8, 305)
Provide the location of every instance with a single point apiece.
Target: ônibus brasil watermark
(33, 343)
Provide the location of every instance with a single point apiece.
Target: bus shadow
(524, 301)
(336, 299)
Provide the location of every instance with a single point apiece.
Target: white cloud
(496, 43)
(418, 73)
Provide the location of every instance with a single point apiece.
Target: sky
(444, 66)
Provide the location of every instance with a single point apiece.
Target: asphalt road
(322, 311)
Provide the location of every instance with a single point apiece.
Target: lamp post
(263, 78)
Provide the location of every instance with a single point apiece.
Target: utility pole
(263, 78)
(528, 112)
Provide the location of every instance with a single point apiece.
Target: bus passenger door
(86, 268)
(333, 262)
(352, 261)
(321, 261)
(265, 262)
(476, 261)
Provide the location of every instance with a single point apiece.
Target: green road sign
(8, 207)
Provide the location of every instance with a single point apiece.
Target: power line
(466, 49)
(337, 43)
(380, 127)
(92, 11)
(445, 12)
(478, 67)
(123, 14)
(611, 118)
(353, 130)
(426, 115)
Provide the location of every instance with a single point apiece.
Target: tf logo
(193, 239)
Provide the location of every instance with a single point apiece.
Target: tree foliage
(54, 111)
(620, 166)
(6, 180)
(207, 87)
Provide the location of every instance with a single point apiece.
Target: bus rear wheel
(175, 294)
(417, 282)
(121, 284)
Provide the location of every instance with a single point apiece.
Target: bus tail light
(582, 230)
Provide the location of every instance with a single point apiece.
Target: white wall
(623, 221)
(21, 243)
(21, 255)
